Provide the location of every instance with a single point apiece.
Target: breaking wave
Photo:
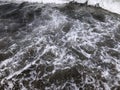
(111, 5)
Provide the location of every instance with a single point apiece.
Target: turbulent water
(58, 47)
(111, 5)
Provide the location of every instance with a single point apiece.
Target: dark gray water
(58, 47)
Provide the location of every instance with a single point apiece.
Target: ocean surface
(59, 45)
(111, 5)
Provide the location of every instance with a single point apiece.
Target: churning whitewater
(72, 46)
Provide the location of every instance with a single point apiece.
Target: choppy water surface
(110, 5)
(58, 47)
